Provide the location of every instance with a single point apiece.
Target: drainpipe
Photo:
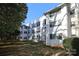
(68, 21)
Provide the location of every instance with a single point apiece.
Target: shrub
(72, 43)
(75, 45)
(67, 43)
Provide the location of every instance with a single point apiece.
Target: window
(44, 27)
(33, 31)
(73, 23)
(38, 23)
(25, 37)
(38, 36)
(33, 25)
(33, 36)
(28, 31)
(25, 27)
(52, 24)
(51, 15)
(44, 22)
(25, 32)
(38, 31)
(52, 36)
(59, 37)
(72, 12)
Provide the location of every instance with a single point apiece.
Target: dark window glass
(72, 12)
(73, 23)
(33, 25)
(25, 32)
(38, 31)
(38, 36)
(44, 23)
(25, 27)
(28, 31)
(50, 15)
(59, 37)
(25, 37)
(33, 36)
(52, 36)
(33, 31)
(38, 23)
(52, 24)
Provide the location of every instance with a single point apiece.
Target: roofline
(56, 9)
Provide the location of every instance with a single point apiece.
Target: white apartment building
(36, 30)
(65, 21)
(56, 24)
(24, 32)
(40, 31)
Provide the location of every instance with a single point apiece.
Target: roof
(56, 9)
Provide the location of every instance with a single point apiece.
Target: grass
(27, 48)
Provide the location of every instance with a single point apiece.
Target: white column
(47, 30)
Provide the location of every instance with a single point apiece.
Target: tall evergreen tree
(11, 16)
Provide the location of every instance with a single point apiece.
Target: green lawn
(26, 48)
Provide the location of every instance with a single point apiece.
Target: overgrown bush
(67, 43)
(75, 45)
(72, 45)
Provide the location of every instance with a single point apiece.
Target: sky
(36, 10)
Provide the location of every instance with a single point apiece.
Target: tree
(11, 16)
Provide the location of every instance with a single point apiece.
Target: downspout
(68, 21)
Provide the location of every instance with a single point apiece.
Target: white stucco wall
(63, 28)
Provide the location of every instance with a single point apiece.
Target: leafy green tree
(11, 16)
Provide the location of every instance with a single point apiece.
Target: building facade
(56, 24)
(24, 32)
(64, 20)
